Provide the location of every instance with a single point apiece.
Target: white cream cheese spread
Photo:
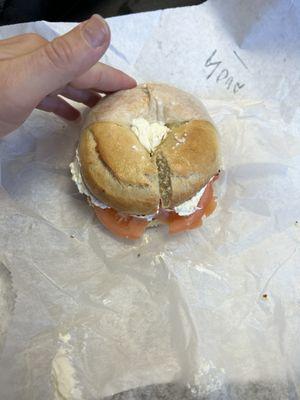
(190, 206)
(149, 134)
(77, 178)
(63, 373)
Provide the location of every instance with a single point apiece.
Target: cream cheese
(77, 178)
(82, 188)
(190, 206)
(149, 134)
(63, 373)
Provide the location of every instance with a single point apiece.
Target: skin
(35, 73)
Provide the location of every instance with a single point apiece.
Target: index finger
(103, 78)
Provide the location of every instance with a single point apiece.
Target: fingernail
(95, 31)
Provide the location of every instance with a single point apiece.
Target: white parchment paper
(210, 314)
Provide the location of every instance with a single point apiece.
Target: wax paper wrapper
(210, 314)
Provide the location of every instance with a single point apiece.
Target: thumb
(66, 57)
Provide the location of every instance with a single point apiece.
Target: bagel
(145, 149)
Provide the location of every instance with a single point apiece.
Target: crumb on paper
(265, 296)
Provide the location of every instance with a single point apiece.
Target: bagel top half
(120, 171)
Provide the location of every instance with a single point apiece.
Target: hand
(35, 72)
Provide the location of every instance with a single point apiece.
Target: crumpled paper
(210, 314)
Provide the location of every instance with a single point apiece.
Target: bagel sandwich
(148, 156)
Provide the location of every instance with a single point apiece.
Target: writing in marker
(220, 74)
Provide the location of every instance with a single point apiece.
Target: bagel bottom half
(133, 227)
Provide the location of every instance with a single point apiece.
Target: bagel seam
(164, 179)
